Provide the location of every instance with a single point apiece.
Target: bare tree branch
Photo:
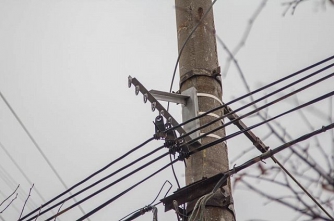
(26, 200)
(9, 203)
(10, 195)
(244, 37)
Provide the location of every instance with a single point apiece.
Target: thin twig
(59, 210)
(25, 202)
(244, 37)
(9, 203)
(10, 195)
(39, 212)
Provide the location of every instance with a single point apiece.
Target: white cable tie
(211, 96)
(211, 114)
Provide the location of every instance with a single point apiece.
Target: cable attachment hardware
(142, 211)
(159, 128)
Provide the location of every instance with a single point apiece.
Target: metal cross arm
(192, 191)
(155, 105)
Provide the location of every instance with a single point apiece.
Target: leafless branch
(59, 210)
(9, 203)
(10, 195)
(39, 212)
(25, 202)
(244, 37)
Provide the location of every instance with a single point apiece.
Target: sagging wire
(261, 123)
(105, 187)
(192, 152)
(125, 191)
(256, 91)
(86, 179)
(251, 112)
(149, 207)
(270, 153)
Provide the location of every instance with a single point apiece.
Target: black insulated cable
(261, 123)
(254, 92)
(124, 192)
(99, 181)
(108, 186)
(86, 179)
(253, 111)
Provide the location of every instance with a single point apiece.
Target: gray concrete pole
(197, 69)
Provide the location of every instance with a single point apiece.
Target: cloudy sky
(64, 66)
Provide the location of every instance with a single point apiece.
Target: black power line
(124, 192)
(97, 182)
(253, 111)
(108, 186)
(261, 123)
(256, 91)
(87, 178)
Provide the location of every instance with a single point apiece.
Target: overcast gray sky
(64, 68)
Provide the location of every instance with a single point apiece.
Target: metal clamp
(215, 74)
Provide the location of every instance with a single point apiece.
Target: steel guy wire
(111, 184)
(89, 177)
(37, 146)
(320, 98)
(254, 92)
(99, 181)
(251, 112)
(124, 192)
(184, 44)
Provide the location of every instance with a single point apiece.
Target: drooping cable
(251, 112)
(261, 123)
(99, 181)
(256, 91)
(89, 177)
(124, 192)
(109, 185)
(184, 45)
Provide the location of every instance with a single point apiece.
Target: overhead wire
(88, 178)
(271, 153)
(95, 183)
(110, 184)
(124, 192)
(320, 98)
(256, 91)
(198, 149)
(251, 112)
(263, 156)
(37, 146)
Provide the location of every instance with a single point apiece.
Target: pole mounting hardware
(155, 105)
(215, 74)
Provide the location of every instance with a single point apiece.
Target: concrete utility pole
(198, 68)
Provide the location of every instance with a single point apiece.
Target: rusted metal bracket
(192, 191)
(215, 74)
